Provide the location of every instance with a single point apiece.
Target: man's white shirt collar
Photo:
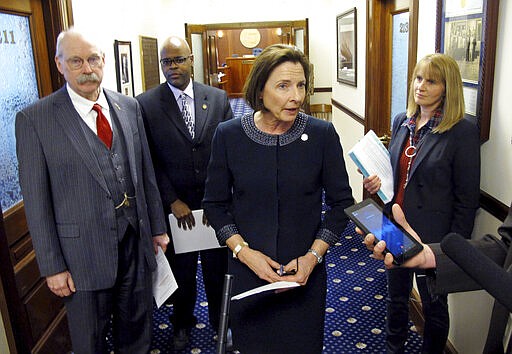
(189, 90)
(84, 106)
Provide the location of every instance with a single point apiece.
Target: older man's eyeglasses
(178, 60)
(76, 63)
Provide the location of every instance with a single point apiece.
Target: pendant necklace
(410, 152)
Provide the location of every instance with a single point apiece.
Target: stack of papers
(372, 158)
(164, 283)
(201, 237)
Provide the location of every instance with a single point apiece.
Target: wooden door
(379, 56)
(300, 35)
(197, 38)
(34, 319)
(239, 70)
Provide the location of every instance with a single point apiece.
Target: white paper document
(268, 287)
(201, 237)
(372, 158)
(164, 283)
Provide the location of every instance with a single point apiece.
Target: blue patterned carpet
(354, 315)
(239, 107)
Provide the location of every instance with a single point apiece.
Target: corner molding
(348, 111)
(493, 206)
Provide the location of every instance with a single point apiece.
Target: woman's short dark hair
(270, 58)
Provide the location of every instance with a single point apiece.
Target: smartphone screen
(370, 218)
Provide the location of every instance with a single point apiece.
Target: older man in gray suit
(92, 203)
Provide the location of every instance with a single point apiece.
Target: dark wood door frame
(378, 59)
(205, 29)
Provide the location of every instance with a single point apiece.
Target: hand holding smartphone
(368, 216)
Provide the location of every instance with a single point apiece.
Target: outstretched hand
(424, 259)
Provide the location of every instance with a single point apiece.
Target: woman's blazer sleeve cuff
(226, 232)
(328, 236)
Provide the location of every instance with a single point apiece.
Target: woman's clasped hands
(297, 270)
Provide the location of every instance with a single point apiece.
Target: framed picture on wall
(466, 31)
(346, 35)
(124, 67)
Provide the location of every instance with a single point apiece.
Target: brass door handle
(385, 139)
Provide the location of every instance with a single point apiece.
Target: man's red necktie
(104, 130)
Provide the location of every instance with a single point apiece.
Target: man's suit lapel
(201, 110)
(69, 119)
(117, 109)
(172, 111)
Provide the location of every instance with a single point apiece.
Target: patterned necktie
(187, 115)
(102, 126)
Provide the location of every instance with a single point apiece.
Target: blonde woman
(435, 154)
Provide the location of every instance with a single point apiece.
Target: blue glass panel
(18, 88)
(399, 64)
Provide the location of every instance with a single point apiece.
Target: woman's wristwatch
(238, 248)
(319, 258)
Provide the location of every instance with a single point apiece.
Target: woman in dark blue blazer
(435, 155)
(264, 199)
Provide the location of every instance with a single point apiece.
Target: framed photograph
(346, 31)
(124, 67)
(466, 31)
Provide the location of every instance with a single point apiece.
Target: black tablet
(369, 217)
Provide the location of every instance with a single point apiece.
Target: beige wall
(4, 348)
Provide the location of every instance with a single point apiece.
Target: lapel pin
(115, 104)
(304, 137)
(204, 106)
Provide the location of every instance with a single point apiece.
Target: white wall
(353, 98)
(127, 20)
(497, 152)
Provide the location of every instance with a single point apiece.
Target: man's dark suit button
(196, 170)
(194, 149)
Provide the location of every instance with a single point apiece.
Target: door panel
(300, 35)
(197, 38)
(380, 63)
(399, 64)
(17, 58)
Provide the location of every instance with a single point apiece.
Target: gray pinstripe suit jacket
(69, 209)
